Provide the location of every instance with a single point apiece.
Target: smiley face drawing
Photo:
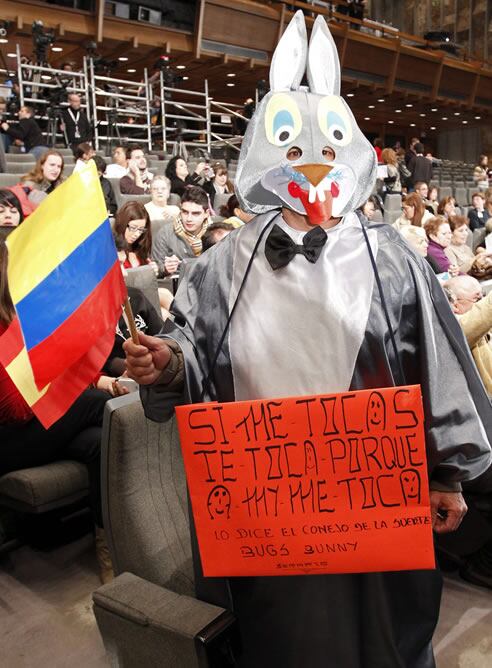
(410, 486)
(376, 412)
(219, 503)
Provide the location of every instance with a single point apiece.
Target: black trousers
(77, 436)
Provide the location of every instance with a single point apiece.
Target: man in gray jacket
(183, 238)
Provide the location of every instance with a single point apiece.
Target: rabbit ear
(289, 60)
(323, 68)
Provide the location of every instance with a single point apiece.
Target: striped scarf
(193, 240)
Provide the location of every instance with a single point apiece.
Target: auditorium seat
(7, 180)
(43, 488)
(445, 191)
(144, 279)
(174, 199)
(460, 195)
(148, 616)
(20, 167)
(221, 200)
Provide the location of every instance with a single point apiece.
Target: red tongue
(317, 212)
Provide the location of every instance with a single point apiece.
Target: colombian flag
(67, 288)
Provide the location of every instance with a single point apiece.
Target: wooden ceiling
(395, 85)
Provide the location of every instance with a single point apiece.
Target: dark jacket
(27, 131)
(108, 193)
(178, 186)
(477, 221)
(421, 169)
(85, 129)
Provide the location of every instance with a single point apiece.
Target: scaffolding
(152, 113)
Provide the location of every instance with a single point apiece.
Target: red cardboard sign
(322, 484)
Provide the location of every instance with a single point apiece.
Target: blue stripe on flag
(41, 312)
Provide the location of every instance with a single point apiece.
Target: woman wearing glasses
(133, 238)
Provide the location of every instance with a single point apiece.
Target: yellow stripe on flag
(20, 372)
(69, 215)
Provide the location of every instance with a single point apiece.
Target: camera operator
(75, 122)
(27, 131)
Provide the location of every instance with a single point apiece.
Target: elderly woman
(414, 212)
(439, 234)
(158, 208)
(45, 177)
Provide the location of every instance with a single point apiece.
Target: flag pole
(131, 321)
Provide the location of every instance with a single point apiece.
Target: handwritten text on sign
(320, 484)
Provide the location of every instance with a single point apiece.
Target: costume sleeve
(477, 322)
(175, 387)
(458, 416)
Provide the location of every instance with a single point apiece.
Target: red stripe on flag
(12, 343)
(65, 389)
(80, 332)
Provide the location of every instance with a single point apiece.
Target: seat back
(144, 279)
(144, 497)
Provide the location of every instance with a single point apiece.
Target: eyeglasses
(135, 229)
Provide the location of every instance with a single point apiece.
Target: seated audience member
(215, 232)
(77, 435)
(414, 212)
(183, 239)
(82, 154)
(447, 207)
(106, 186)
(219, 184)
(138, 179)
(158, 208)
(478, 215)
(179, 176)
(433, 199)
(119, 167)
(147, 321)
(417, 239)
(392, 182)
(439, 235)
(458, 251)
(45, 177)
(233, 214)
(27, 131)
(475, 316)
(423, 190)
(11, 214)
(370, 206)
(133, 238)
(488, 207)
(133, 235)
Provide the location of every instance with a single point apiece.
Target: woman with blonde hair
(414, 212)
(46, 175)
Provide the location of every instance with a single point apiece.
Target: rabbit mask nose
(313, 172)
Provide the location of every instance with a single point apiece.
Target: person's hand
(112, 386)
(447, 510)
(145, 362)
(171, 264)
(5, 126)
(62, 127)
(133, 167)
(453, 270)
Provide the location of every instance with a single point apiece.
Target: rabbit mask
(303, 148)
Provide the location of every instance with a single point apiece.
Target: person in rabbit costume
(308, 299)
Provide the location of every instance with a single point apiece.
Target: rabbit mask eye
(283, 121)
(334, 121)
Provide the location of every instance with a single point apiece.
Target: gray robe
(376, 620)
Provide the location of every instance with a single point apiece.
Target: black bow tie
(280, 249)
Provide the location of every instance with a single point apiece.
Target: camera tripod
(113, 133)
(54, 120)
